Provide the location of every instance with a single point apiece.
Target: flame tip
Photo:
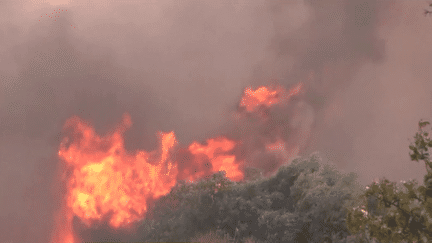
(108, 181)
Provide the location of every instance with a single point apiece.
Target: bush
(302, 202)
(392, 212)
(188, 209)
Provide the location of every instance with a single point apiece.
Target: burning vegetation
(104, 180)
(208, 191)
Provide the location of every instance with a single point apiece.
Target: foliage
(303, 202)
(210, 237)
(392, 212)
(187, 209)
(319, 195)
(252, 174)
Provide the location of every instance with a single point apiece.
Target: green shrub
(303, 202)
(397, 212)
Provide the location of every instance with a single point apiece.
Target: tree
(188, 210)
(391, 212)
(426, 12)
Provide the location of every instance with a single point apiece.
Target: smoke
(183, 67)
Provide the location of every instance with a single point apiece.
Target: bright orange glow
(107, 182)
(216, 151)
(107, 179)
(266, 96)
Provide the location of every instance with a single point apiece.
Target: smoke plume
(183, 66)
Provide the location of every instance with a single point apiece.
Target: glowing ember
(266, 96)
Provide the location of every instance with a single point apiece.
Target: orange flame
(216, 151)
(106, 179)
(266, 96)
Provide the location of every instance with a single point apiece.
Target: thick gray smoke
(183, 65)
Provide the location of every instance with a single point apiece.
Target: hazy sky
(183, 65)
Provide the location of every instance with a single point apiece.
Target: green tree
(397, 212)
(186, 211)
(303, 202)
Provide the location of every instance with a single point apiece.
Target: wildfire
(106, 179)
(108, 182)
(215, 151)
(266, 96)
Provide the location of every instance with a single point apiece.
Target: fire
(216, 151)
(107, 179)
(106, 182)
(266, 96)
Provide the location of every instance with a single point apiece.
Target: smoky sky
(182, 66)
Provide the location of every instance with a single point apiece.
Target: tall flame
(107, 179)
(109, 183)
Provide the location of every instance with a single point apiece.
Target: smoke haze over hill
(183, 65)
